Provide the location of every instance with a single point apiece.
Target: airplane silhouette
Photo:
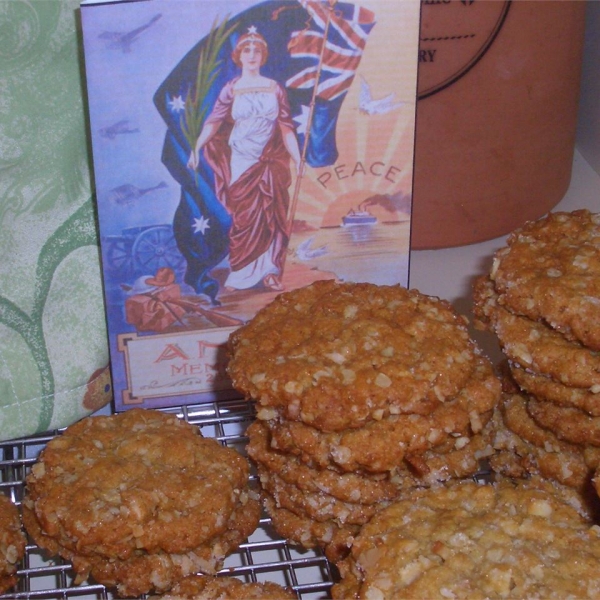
(123, 40)
(128, 193)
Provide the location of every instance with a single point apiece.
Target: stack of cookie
(362, 392)
(139, 500)
(542, 301)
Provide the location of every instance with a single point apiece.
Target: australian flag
(314, 50)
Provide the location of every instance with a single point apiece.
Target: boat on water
(358, 217)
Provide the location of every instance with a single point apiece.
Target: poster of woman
(241, 149)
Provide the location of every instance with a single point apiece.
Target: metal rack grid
(264, 557)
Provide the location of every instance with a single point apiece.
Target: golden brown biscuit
(139, 500)
(545, 388)
(381, 446)
(161, 568)
(464, 459)
(320, 451)
(517, 418)
(12, 543)
(550, 270)
(524, 448)
(197, 587)
(317, 506)
(334, 539)
(338, 355)
(535, 346)
(348, 487)
(507, 540)
(569, 424)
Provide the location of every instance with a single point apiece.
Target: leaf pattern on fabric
(47, 215)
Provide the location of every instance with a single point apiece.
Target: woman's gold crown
(251, 36)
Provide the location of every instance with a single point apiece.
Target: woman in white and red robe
(248, 140)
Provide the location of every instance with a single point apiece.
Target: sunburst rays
(375, 151)
(376, 157)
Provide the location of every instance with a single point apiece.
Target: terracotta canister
(496, 115)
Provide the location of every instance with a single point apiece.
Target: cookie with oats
(550, 271)
(571, 466)
(462, 460)
(459, 460)
(569, 424)
(197, 587)
(338, 355)
(535, 346)
(524, 448)
(308, 446)
(139, 500)
(348, 487)
(317, 506)
(12, 543)
(517, 418)
(546, 388)
(334, 539)
(466, 540)
(532, 345)
(381, 446)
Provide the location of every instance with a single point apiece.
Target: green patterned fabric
(53, 344)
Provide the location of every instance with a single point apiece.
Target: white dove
(305, 252)
(380, 106)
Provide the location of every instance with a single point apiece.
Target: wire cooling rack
(264, 557)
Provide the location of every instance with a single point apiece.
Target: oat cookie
(553, 391)
(314, 520)
(334, 539)
(338, 355)
(462, 460)
(550, 270)
(518, 419)
(348, 487)
(524, 448)
(381, 446)
(311, 449)
(569, 424)
(163, 568)
(507, 540)
(12, 543)
(139, 500)
(535, 346)
(316, 506)
(197, 587)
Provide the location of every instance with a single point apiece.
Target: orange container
(496, 115)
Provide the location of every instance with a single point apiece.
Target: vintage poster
(241, 149)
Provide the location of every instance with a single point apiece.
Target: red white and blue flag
(329, 49)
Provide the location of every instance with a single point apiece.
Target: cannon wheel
(155, 247)
(118, 256)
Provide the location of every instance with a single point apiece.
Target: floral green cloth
(53, 343)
